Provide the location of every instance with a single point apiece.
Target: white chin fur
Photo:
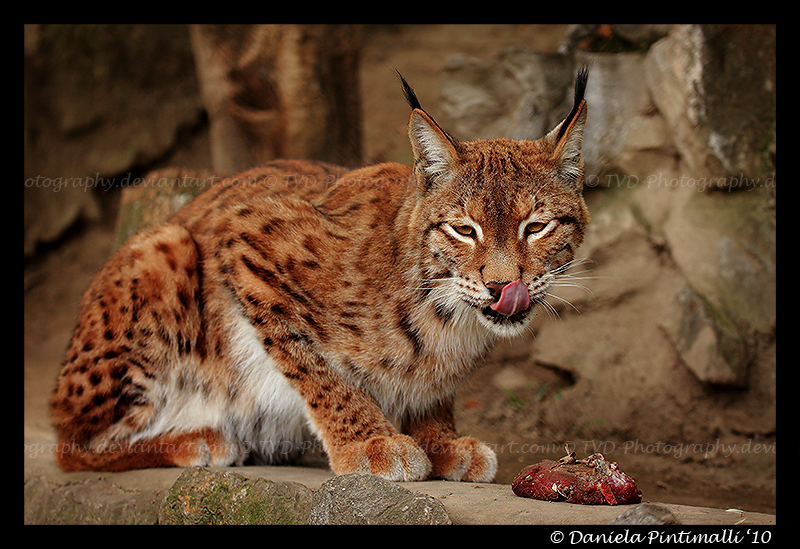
(505, 326)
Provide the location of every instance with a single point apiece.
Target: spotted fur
(345, 306)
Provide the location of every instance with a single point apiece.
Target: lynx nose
(513, 297)
(496, 288)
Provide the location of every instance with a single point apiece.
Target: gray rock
(359, 498)
(647, 514)
(642, 35)
(726, 245)
(200, 496)
(623, 122)
(715, 86)
(523, 94)
(517, 93)
(707, 341)
(635, 36)
(91, 113)
(98, 500)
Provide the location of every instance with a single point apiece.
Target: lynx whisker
(551, 310)
(563, 279)
(562, 300)
(570, 264)
(571, 284)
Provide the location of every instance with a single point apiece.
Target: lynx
(252, 322)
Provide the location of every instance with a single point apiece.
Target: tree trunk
(280, 91)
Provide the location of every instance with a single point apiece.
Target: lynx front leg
(452, 457)
(354, 431)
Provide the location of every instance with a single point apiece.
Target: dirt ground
(56, 278)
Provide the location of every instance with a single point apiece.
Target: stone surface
(725, 243)
(200, 496)
(715, 86)
(159, 194)
(55, 497)
(359, 498)
(707, 342)
(138, 497)
(518, 93)
(623, 121)
(648, 514)
(91, 113)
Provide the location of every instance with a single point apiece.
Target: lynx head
(499, 220)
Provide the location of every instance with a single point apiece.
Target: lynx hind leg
(205, 447)
(138, 316)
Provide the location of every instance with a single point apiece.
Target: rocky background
(660, 353)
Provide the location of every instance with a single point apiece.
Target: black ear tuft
(580, 83)
(408, 92)
(580, 89)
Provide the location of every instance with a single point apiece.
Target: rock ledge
(292, 495)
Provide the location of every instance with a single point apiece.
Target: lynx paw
(205, 448)
(463, 458)
(395, 457)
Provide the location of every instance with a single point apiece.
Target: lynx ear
(435, 155)
(567, 137)
(435, 152)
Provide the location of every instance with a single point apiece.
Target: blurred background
(661, 356)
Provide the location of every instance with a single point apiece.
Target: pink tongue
(513, 299)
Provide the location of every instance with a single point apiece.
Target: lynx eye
(465, 230)
(534, 228)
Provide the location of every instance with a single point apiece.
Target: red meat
(589, 481)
